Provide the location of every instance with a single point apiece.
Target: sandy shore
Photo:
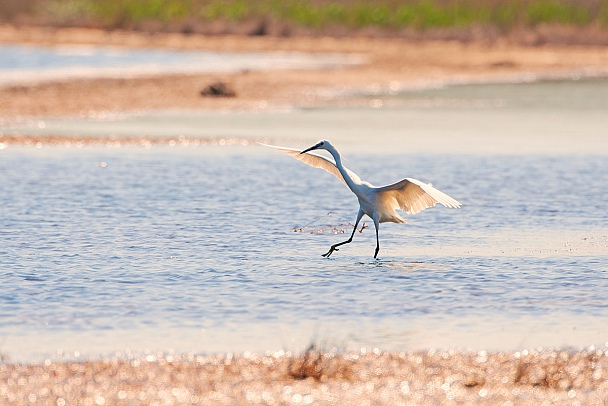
(391, 63)
(367, 378)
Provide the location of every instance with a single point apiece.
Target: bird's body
(378, 203)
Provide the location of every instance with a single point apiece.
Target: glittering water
(193, 248)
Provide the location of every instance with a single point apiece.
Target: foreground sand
(391, 63)
(368, 378)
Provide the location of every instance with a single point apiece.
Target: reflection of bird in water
(379, 203)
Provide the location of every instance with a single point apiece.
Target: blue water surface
(202, 238)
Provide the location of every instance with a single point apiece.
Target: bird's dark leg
(375, 218)
(335, 246)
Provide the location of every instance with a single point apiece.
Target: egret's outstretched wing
(413, 196)
(317, 161)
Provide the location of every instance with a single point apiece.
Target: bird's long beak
(310, 149)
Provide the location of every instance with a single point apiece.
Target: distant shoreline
(392, 63)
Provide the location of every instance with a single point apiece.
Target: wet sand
(366, 378)
(391, 64)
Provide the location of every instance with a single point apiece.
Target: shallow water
(193, 248)
(132, 240)
(538, 93)
(19, 63)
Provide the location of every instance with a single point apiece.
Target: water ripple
(163, 240)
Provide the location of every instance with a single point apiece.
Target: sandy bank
(392, 63)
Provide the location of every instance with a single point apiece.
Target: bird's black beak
(310, 149)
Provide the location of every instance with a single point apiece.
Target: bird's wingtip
(269, 146)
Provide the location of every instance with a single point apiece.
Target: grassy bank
(338, 17)
(418, 14)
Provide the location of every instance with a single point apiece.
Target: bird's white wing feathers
(409, 195)
(413, 196)
(317, 161)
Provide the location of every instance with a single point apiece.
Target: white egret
(378, 203)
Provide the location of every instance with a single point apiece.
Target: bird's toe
(328, 253)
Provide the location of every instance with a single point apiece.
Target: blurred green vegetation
(316, 14)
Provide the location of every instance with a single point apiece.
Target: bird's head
(324, 144)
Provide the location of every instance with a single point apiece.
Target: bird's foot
(331, 250)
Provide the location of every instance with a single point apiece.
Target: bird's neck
(347, 178)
